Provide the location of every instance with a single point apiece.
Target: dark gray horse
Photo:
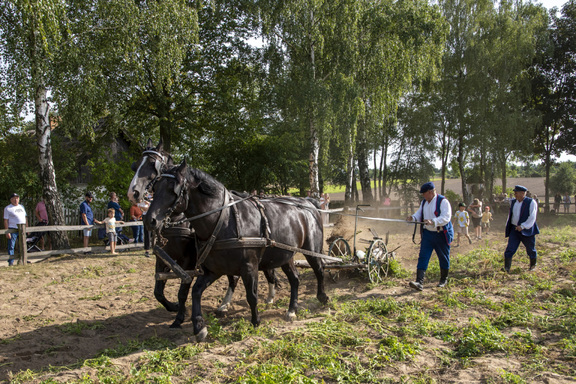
(180, 245)
(291, 221)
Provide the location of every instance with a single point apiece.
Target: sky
(551, 3)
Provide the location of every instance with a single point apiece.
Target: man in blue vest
(435, 212)
(521, 227)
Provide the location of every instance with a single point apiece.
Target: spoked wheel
(341, 249)
(378, 261)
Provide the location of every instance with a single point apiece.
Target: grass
(387, 337)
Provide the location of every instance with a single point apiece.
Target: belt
(437, 229)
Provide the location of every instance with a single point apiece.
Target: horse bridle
(159, 162)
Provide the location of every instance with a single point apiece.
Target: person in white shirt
(521, 227)
(436, 214)
(14, 214)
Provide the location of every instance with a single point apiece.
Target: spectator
(42, 220)
(486, 219)
(461, 223)
(324, 205)
(136, 215)
(475, 210)
(118, 215)
(14, 214)
(87, 218)
(566, 203)
(557, 201)
(110, 222)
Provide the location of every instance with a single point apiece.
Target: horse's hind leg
(292, 275)
(182, 296)
(159, 290)
(272, 284)
(232, 282)
(318, 269)
(250, 280)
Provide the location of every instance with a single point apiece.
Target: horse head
(153, 162)
(170, 197)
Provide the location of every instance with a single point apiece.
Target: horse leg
(250, 280)
(159, 290)
(272, 284)
(182, 296)
(232, 282)
(318, 269)
(292, 275)
(202, 282)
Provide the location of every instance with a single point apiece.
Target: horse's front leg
(250, 280)
(182, 296)
(292, 275)
(159, 290)
(202, 282)
(232, 283)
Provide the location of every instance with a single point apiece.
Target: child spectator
(461, 223)
(486, 219)
(110, 222)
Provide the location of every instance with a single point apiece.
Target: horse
(225, 225)
(180, 243)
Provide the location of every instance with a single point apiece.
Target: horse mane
(207, 185)
(314, 201)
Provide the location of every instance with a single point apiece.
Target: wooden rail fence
(24, 256)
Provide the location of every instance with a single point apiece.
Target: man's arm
(529, 223)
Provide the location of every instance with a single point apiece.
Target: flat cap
(427, 187)
(14, 195)
(520, 188)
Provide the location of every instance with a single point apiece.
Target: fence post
(22, 244)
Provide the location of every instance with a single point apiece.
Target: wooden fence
(24, 256)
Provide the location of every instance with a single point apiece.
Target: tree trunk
(349, 170)
(462, 169)
(47, 172)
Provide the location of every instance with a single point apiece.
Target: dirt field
(67, 309)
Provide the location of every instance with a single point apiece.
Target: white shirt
(529, 223)
(429, 208)
(15, 214)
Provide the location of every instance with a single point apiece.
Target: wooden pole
(22, 244)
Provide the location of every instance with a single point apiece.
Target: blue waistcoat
(524, 214)
(448, 229)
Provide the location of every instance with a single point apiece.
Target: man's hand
(409, 218)
(519, 228)
(428, 222)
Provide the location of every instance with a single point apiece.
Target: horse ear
(134, 167)
(149, 144)
(160, 146)
(182, 167)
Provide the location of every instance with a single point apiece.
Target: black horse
(293, 222)
(180, 245)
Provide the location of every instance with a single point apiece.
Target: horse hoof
(201, 335)
(270, 301)
(175, 325)
(290, 316)
(222, 309)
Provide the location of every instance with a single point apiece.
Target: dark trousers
(434, 241)
(514, 241)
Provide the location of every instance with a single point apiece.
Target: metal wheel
(378, 261)
(341, 249)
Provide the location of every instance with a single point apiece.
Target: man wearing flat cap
(521, 227)
(14, 214)
(436, 213)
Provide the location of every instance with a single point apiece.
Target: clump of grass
(392, 349)
(478, 338)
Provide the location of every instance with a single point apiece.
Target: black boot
(443, 278)
(419, 283)
(532, 264)
(507, 265)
